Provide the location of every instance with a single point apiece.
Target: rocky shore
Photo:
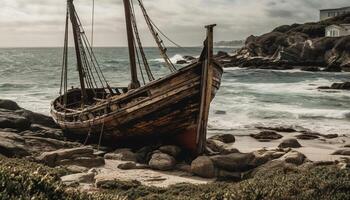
(296, 46)
(33, 140)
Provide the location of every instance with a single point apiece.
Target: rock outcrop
(289, 46)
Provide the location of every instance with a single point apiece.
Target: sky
(40, 23)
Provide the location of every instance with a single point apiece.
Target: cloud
(41, 22)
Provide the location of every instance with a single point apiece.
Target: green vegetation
(21, 179)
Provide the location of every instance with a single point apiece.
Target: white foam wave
(173, 59)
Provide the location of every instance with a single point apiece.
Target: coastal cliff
(297, 45)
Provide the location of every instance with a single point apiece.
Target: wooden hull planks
(166, 109)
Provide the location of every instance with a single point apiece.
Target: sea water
(246, 99)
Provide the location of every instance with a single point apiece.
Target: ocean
(247, 98)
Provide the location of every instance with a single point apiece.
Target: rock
(77, 169)
(290, 143)
(267, 135)
(127, 166)
(294, 157)
(226, 175)
(10, 120)
(189, 58)
(145, 153)
(71, 157)
(172, 150)
(222, 54)
(279, 129)
(220, 112)
(324, 88)
(88, 162)
(311, 69)
(12, 145)
(184, 167)
(9, 105)
(347, 146)
(162, 161)
(225, 138)
(204, 167)
(330, 136)
(123, 155)
(341, 86)
(78, 178)
(36, 118)
(40, 144)
(307, 137)
(342, 152)
(181, 62)
(220, 147)
(237, 162)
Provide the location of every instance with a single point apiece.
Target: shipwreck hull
(167, 109)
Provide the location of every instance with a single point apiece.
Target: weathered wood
(131, 44)
(206, 92)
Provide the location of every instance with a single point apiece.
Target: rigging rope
(143, 55)
(92, 23)
(156, 37)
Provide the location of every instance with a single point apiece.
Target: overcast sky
(28, 23)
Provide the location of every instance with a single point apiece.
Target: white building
(329, 13)
(338, 30)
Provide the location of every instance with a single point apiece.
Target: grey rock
(294, 157)
(290, 143)
(307, 137)
(237, 162)
(162, 161)
(9, 105)
(204, 167)
(12, 145)
(88, 162)
(267, 135)
(51, 158)
(123, 155)
(342, 152)
(78, 178)
(225, 138)
(127, 166)
(10, 120)
(172, 150)
(220, 147)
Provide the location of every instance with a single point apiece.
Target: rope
(159, 42)
(100, 140)
(92, 22)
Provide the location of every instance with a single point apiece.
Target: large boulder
(36, 118)
(204, 167)
(162, 161)
(14, 121)
(290, 143)
(238, 162)
(9, 105)
(78, 178)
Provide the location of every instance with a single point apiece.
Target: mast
(77, 42)
(131, 44)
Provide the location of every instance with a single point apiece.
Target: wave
(173, 59)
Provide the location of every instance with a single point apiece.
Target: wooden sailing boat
(174, 108)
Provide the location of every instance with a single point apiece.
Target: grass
(20, 179)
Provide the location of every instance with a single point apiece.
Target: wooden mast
(206, 90)
(77, 42)
(131, 44)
